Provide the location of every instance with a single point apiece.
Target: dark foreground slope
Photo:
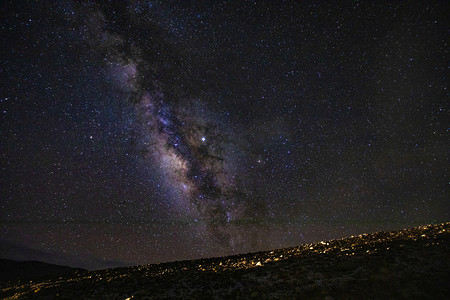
(405, 264)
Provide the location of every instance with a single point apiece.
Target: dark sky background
(150, 131)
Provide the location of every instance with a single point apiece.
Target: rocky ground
(406, 264)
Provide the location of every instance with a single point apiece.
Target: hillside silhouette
(404, 264)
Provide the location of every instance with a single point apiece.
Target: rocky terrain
(405, 264)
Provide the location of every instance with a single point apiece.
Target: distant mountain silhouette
(18, 252)
(11, 270)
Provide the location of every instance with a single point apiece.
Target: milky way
(195, 154)
(190, 151)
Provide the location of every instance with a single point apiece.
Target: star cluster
(146, 131)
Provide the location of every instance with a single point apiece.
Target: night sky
(150, 131)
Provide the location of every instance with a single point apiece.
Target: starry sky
(135, 132)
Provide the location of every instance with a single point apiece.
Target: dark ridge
(11, 270)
